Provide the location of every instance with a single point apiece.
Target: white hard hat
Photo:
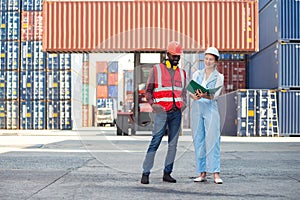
(213, 51)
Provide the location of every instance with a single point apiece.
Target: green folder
(193, 86)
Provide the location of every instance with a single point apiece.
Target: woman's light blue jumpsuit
(206, 125)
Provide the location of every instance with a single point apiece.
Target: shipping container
(39, 115)
(12, 55)
(113, 91)
(12, 84)
(28, 5)
(3, 47)
(105, 103)
(52, 61)
(39, 57)
(133, 25)
(252, 113)
(101, 78)
(53, 85)
(32, 25)
(85, 94)
(26, 115)
(113, 79)
(12, 114)
(263, 3)
(101, 66)
(85, 73)
(128, 80)
(26, 85)
(10, 25)
(9, 5)
(27, 53)
(13, 25)
(289, 112)
(279, 21)
(85, 115)
(102, 91)
(53, 112)
(65, 115)
(2, 114)
(65, 61)
(241, 105)
(39, 85)
(113, 67)
(275, 67)
(2, 85)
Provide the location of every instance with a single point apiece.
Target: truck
(105, 116)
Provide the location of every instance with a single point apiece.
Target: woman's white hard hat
(213, 51)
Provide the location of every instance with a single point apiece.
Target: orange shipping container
(113, 79)
(102, 91)
(32, 25)
(85, 73)
(123, 26)
(101, 67)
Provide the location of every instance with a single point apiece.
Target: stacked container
(276, 65)
(88, 90)
(128, 88)
(32, 68)
(9, 70)
(112, 79)
(249, 113)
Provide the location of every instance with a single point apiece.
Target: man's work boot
(145, 179)
(168, 178)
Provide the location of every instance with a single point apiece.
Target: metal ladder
(272, 120)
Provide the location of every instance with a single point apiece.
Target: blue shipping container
(3, 27)
(52, 61)
(2, 85)
(12, 84)
(113, 67)
(28, 5)
(39, 56)
(279, 20)
(3, 48)
(64, 61)
(263, 3)
(26, 118)
(65, 115)
(102, 79)
(289, 112)
(12, 55)
(26, 85)
(275, 67)
(12, 114)
(39, 85)
(9, 5)
(27, 53)
(13, 25)
(113, 91)
(2, 114)
(53, 115)
(39, 115)
(105, 103)
(53, 85)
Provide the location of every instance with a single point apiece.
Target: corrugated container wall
(289, 112)
(98, 26)
(275, 67)
(279, 21)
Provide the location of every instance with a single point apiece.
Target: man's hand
(158, 108)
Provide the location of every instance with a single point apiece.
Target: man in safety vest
(166, 93)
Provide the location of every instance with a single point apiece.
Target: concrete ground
(96, 164)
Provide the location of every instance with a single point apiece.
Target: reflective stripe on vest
(167, 89)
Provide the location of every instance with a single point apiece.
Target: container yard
(56, 74)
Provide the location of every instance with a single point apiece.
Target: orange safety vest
(163, 93)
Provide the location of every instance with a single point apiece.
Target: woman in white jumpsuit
(206, 119)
